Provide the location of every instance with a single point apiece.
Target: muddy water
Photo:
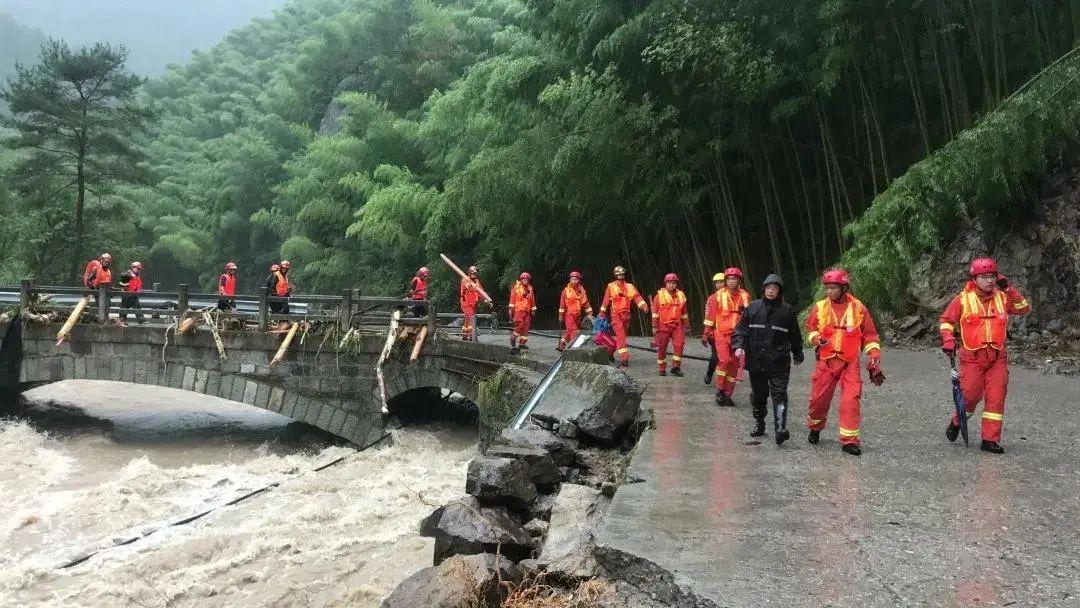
(105, 462)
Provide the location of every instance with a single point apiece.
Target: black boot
(720, 398)
(993, 447)
(780, 422)
(524, 346)
(759, 428)
(851, 448)
(952, 431)
(676, 372)
(814, 437)
(664, 373)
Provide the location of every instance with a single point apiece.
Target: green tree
(75, 116)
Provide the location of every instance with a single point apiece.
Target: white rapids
(345, 536)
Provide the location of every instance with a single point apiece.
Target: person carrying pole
(768, 338)
(573, 300)
(620, 295)
(131, 284)
(469, 298)
(981, 312)
(279, 287)
(669, 324)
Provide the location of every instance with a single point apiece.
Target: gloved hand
(948, 347)
(706, 339)
(875, 363)
(798, 356)
(603, 315)
(560, 319)
(1002, 282)
(739, 353)
(877, 377)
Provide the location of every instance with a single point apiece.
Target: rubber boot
(992, 446)
(676, 372)
(851, 448)
(780, 422)
(524, 346)
(663, 372)
(952, 431)
(814, 437)
(759, 428)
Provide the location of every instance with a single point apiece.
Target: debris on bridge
(72, 319)
(284, 348)
(418, 344)
(391, 337)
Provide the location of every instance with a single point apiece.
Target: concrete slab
(915, 521)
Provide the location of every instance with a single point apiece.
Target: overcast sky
(157, 32)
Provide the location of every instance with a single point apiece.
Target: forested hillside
(359, 138)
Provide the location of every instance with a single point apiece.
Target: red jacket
(619, 295)
(522, 298)
(983, 319)
(573, 299)
(468, 293)
(669, 309)
(723, 310)
(846, 327)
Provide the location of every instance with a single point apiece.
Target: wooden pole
(182, 299)
(25, 287)
(419, 344)
(455, 268)
(285, 344)
(103, 304)
(72, 320)
(264, 309)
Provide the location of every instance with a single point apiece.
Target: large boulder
(466, 527)
(560, 449)
(462, 580)
(568, 550)
(601, 402)
(501, 481)
(543, 471)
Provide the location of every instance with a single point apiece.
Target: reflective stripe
(848, 432)
(623, 350)
(656, 316)
(709, 323)
(562, 310)
(993, 416)
(783, 329)
(947, 327)
(756, 326)
(661, 361)
(812, 336)
(721, 374)
(1021, 304)
(676, 358)
(814, 422)
(871, 346)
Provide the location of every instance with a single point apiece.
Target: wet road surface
(914, 521)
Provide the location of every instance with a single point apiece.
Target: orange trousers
(522, 322)
(827, 375)
(984, 373)
(727, 366)
(570, 328)
(676, 335)
(621, 325)
(467, 325)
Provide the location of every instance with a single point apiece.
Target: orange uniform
(723, 310)
(522, 307)
(983, 320)
(841, 332)
(469, 297)
(619, 296)
(669, 322)
(96, 275)
(573, 301)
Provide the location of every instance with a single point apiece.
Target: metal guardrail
(347, 310)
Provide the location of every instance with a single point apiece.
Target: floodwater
(91, 464)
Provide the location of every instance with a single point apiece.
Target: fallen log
(418, 344)
(285, 344)
(72, 320)
(391, 336)
(188, 324)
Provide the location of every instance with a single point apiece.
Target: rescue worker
(768, 338)
(573, 300)
(97, 273)
(670, 321)
(981, 311)
(278, 285)
(522, 308)
(722, 312)
(620, 295)
(418, 292)
(469, 297)
(131, 285)
(227, 288)
(840, 328)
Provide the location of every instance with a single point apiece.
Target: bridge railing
(347, 310)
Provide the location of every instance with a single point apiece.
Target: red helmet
(983, 266)
(423, 271)
(671, 276)
(575, 275)
(837, 275)
(230, 266)
(274, 268)
(733, 272)
(285, 264)
(136, 265)
(106, 257)
(525, 276)
(472, 270)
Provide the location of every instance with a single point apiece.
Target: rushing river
(93, 463)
